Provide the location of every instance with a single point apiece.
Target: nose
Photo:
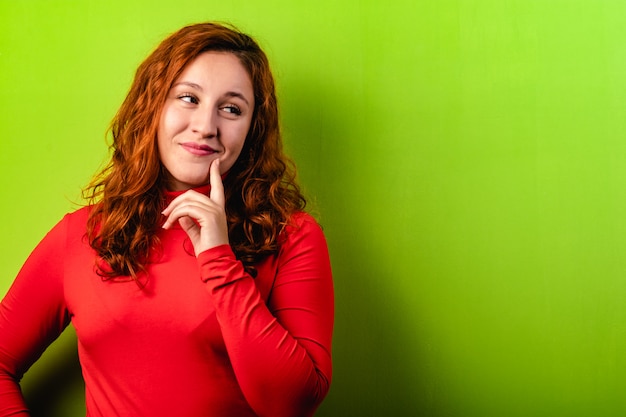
(204, 122)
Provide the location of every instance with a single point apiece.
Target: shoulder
(81, 213)
(301, 232)
(301, 218)
(301, 223)
(78, 218)
(68, 232)
(73, 223)
(303, 255)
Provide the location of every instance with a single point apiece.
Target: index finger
(217, 188)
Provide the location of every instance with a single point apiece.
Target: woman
(196, 283)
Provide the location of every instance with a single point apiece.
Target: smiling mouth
(198, 149)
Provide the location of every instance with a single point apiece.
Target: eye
(188, 98)
(233, 109)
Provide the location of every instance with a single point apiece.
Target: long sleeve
(280, 350)
(32, 315)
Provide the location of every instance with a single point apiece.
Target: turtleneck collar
(203, 189)
(171, 195)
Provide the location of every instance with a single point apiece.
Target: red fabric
(202, 338)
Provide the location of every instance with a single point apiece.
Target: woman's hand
(202, 217)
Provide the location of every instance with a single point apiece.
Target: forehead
(216, 68)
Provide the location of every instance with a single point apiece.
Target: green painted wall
(466, 158)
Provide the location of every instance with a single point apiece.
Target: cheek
(165, 134)
(161, 142)
(162, 130)
(238, 136)
(238, 146)
(171, 122)
(234, 146)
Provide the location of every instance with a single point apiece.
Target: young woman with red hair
(195, 281)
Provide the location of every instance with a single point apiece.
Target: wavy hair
(128, 194)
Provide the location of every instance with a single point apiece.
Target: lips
(198, 149)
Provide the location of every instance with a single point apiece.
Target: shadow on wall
(374, 367)
(54, 386)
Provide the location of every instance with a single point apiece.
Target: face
(206, 116)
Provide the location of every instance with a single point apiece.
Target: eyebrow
(195, 86)
(236, 94)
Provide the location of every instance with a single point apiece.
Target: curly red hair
(128, 194)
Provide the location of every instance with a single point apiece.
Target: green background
(466, 159)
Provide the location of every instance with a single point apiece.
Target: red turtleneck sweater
(202, 338)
